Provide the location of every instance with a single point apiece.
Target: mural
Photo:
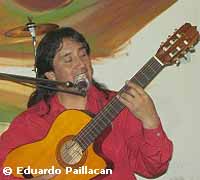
(107, 24)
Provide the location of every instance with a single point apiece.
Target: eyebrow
(66, 54)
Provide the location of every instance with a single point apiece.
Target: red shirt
(131, 148)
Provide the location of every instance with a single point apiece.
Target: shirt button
(158, 134)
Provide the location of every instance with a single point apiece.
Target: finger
(127, 96)
(132, 92)
(137, 88)
(124, 101)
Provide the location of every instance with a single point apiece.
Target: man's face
(70, 61)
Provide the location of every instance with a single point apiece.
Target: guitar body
(49, 152)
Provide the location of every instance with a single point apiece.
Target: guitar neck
(104, 118)
(147, 73)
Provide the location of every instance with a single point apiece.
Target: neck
(70, 101)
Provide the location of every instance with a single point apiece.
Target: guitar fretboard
(104, 118)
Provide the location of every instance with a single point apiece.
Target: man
(136, 143)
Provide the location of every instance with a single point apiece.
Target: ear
(50, 75)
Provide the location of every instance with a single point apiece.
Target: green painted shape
(8, 112)
(16, 48)
(50, 15)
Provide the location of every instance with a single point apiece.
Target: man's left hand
(140, 104)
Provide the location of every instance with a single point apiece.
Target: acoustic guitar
(69, 147)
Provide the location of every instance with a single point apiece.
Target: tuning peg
(168, 36)
(178, 63)
(192, 50)
(162, 43)
(186, 58)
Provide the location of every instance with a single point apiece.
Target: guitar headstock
(178, 45)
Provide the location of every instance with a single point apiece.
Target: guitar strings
(85, 134)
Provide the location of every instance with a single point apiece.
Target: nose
(79, 63)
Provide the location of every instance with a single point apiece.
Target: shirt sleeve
(149, 150)
(9, 140)
(30, 126)
(24, 129)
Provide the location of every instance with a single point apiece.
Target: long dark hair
(45, 53)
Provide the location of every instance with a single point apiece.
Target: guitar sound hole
(71, 152)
